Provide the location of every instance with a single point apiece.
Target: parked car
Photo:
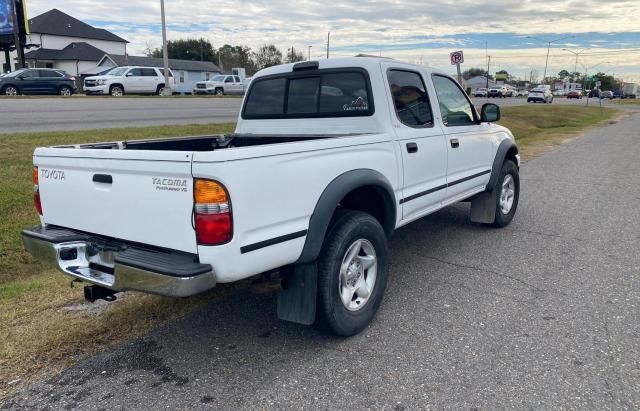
(540, 93)
(559, 93)
(221, 85)
(619, 94)
(574, 94)
(607, 94)
(521, 93)
(480, 92)
(497, 92)
(308, 189)
(595, 93)
(38, 81)
(128, 80)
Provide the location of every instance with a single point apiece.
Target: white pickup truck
(221, 85)
(327, 160)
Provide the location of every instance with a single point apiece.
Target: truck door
(469, 144)
(29, 82)
(421, 142)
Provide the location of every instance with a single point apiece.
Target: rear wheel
(160, 90)
(507, 194)
(65, 91)
(116, 91)
(352, 273)
(10, 91)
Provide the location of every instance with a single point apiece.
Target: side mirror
(490, 113)
(129, 74)
(20, 77)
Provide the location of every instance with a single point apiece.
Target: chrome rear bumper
(117, 265)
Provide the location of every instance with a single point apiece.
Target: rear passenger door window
(410, 98)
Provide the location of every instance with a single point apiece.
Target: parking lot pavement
(82, 113)
(542, 314)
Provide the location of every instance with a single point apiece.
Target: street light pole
(165, 54)
(576, 53)
(549, 42)
(309, 58)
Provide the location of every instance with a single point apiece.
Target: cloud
(405, 29)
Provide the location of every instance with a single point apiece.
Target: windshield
(117, 71)
(218, 78)
(15, 73)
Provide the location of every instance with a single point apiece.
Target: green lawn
(40, 335)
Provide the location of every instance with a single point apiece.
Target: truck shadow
(235, 346)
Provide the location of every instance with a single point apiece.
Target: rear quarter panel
(274, 190)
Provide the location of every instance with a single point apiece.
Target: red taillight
(36, 191)
(212, 209)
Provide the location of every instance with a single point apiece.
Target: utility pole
(165, 53)
(546, 64)
(488, 66)
(328, 42)
(575, 67)
(16, 37)
(309, 58)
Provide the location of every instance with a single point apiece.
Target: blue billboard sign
(6, 17)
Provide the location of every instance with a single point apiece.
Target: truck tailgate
(139, 196)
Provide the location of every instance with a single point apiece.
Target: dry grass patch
(540, 127)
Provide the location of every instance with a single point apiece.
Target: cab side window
(410, 98)
(136, 72)
(454, 106)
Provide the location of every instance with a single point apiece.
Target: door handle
(454, 143)
(412, 148)
(103, 178)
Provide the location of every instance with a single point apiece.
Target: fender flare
(329, 201)
(498, 160)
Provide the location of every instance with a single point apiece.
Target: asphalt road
(542, 314)
(82, 113)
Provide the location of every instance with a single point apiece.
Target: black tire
(113, 90)
(502, 219)
(331, 314)
(6, 90)
(219, 91)
(159, 89)
(65, 91)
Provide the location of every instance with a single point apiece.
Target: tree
(189, 49)
(563, 74)
(237, 56)
(608, 82)
(475, 72)
(267, 56)
(294, 56)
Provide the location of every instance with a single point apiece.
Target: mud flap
(297, 302)
(483, 207)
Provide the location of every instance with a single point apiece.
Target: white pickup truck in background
(327, 160)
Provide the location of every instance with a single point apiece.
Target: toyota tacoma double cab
(328, 159)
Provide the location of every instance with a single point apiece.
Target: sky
(417, 31)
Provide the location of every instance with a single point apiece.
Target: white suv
(128, 79)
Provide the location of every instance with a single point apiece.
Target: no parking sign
(457, 57)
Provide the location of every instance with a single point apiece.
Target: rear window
(318, 93)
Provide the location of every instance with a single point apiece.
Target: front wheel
(10, 91)
(507, 194)
(352, 273)
(219, 92)
(116, 91)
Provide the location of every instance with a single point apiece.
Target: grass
(626, 101)
(44, 324)
(39, 335)
(539, 127)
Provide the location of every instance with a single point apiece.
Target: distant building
(81, 50)
(479, 82)
(69, 44)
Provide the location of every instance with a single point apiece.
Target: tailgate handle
(103, 178)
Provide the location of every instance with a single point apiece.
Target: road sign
(457, 57)
(598, 83)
